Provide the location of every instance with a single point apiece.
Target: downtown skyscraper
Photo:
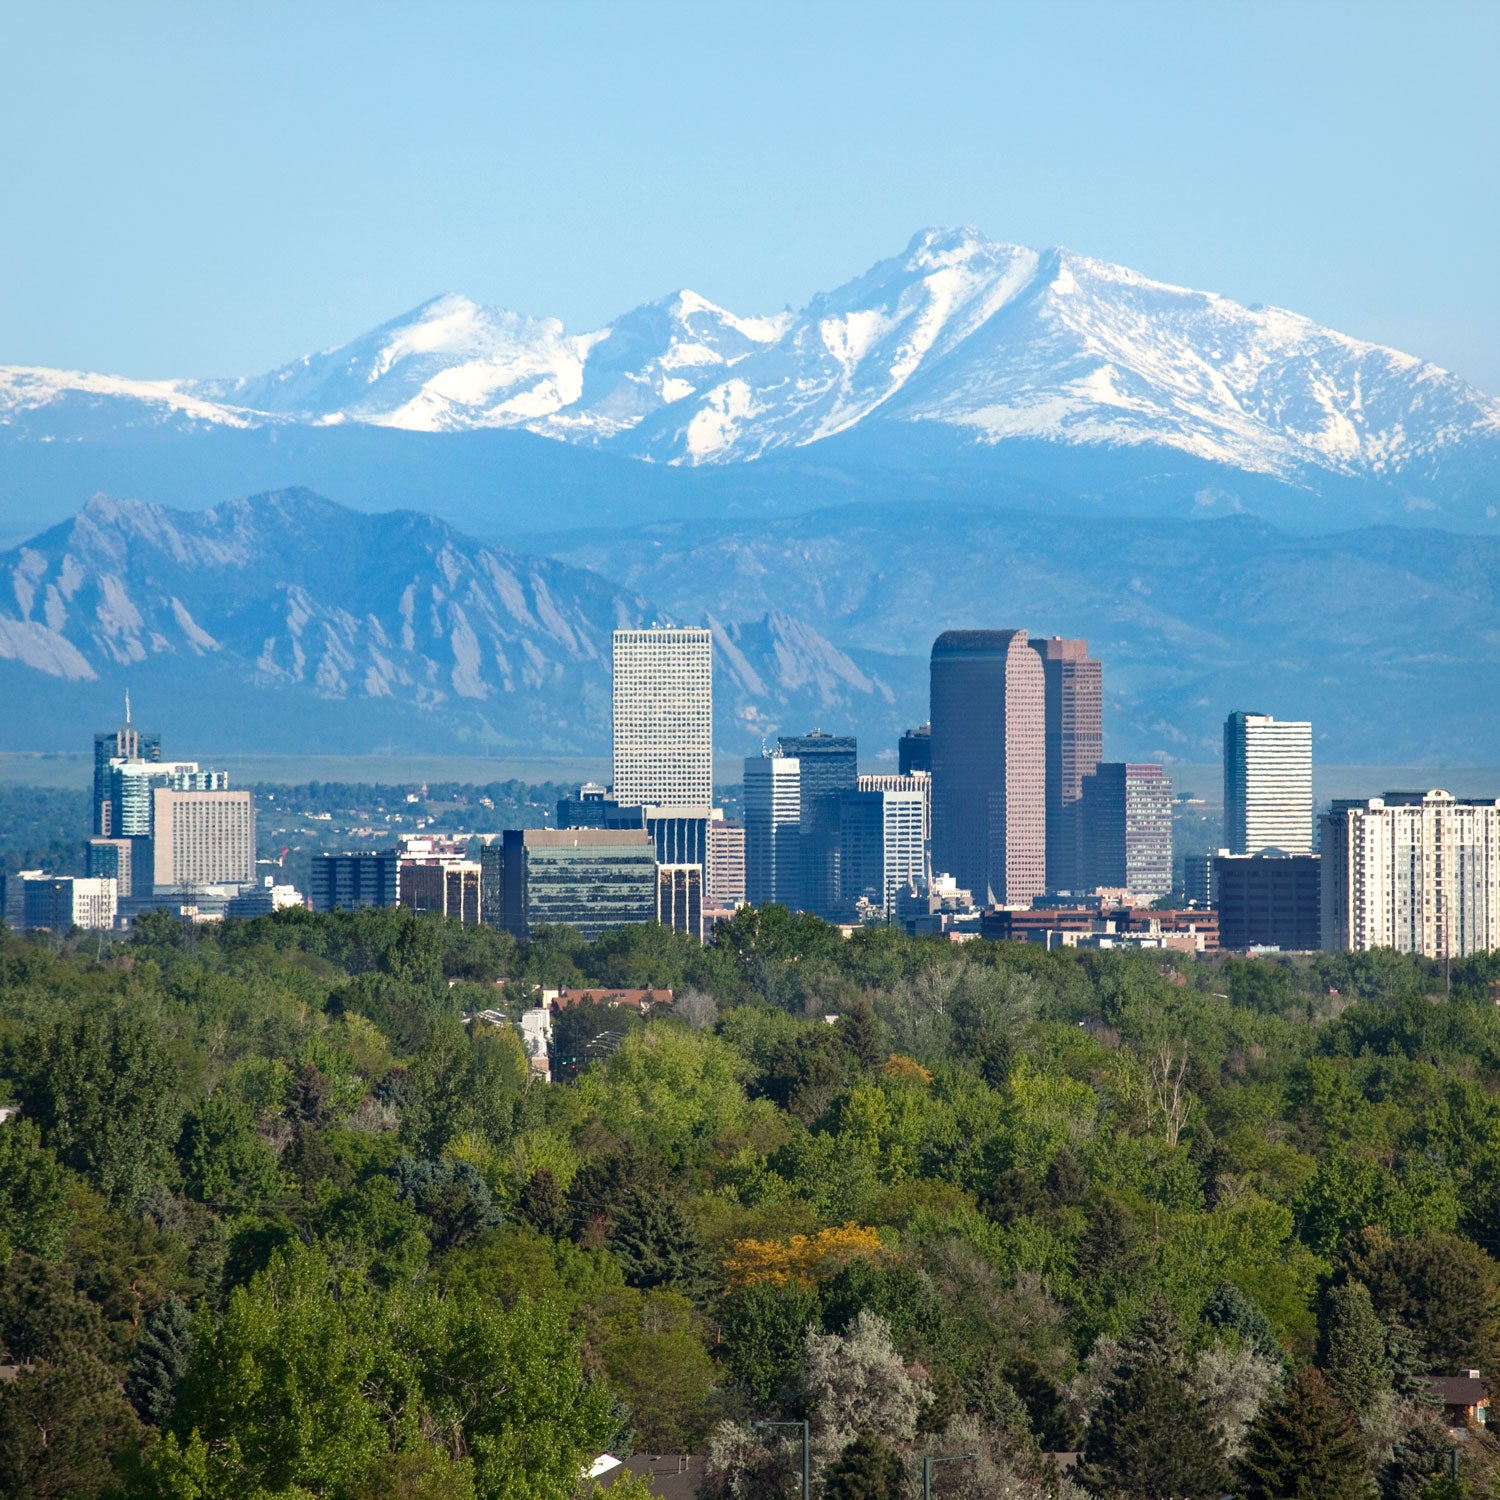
(989, 810)
(1074, 691)
(663, 718)
(1268, 801)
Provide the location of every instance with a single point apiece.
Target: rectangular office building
(593, 879)
(679, 898)
(346, 882)
(773, 846)
(663, 717)
(726, 863)
(882, 849)
(60, 902)
(1124, 821)
(202, 838)
(1267, 784)
(1269, 901)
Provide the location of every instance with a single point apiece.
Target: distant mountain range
(287, 622)
(1238, 508)
(961, 369)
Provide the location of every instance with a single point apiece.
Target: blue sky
(211, 189)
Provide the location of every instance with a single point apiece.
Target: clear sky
(212, 189)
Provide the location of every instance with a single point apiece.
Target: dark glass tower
(1074, 688)
(914, 752)
(125, 743)
(829, 768)
(989, 821)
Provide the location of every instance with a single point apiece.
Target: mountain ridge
(985, 346)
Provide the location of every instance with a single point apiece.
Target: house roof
(672, 1476)
(1458, 1390)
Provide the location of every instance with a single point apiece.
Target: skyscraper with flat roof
(914, 751)
(989, 811)
(1267, 784)
(1074, 689)
(202, 838)
(1415, 871)
(828, 768)
(772, 802)
(1125, 823)
(663, 717)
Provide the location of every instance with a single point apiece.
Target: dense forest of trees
(276, 1222)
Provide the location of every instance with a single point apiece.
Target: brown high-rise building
(989, 820)
(1075, 745)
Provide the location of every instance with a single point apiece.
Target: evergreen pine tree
(543, 1204)
(161, 1355)
(868, 1469)
(862, 1035)
(1303, 1446)
(657, 1245)
(1408, 1369)
(1419, 1456)
(1151, 1438)
(1351, 1347)
(1230, 1309)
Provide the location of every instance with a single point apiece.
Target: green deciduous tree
(103, 1088)
(765, 1339)
(34, 1209)
(1303, 1446)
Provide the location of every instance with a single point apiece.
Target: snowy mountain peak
(982, 341)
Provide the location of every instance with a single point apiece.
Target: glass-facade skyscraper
(1073, 683)
(829, 767)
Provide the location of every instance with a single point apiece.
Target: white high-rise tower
(664, 717)
(1267, 784)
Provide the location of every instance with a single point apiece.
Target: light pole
(929, 1464)
(806, 1470)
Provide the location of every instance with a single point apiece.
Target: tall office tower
(1074, 687)
(1267, 784)
(664, 717)
(989, 809)
(593, 879)
(907, 781)
(125, 743)
(914, 751)
(585, 809)
(492, 883)
(679, 898)
(1414, 871)
(202, 838)
(829, 767)
(772, 800)
(881, 848)
(1125, 827)
(726, 864)
(1268, 901)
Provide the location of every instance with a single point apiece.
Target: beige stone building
(1414, 871)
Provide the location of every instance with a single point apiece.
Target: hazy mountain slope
(288, 620)
(1388, 639)
(978, 351)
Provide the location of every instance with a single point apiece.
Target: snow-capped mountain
(985, 343)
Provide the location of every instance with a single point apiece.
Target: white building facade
(1268, 802)
(663, 717)
(1414, 871)
(772, 801)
